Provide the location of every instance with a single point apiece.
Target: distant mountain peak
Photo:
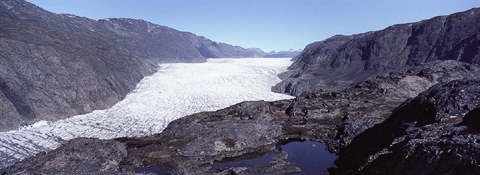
(274, 54)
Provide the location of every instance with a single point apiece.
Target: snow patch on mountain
(176, 90)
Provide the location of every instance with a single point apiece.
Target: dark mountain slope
(163, 44)
(55, 66)
(49, 74)
(159, 43)
(340, 61)
(433, 133)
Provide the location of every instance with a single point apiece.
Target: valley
(115, 95)
(176, 90)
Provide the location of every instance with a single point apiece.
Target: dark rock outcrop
(433, 133)
(203, 138)
(370, 102)
(54, 66)
(77, 156)
(341, 61)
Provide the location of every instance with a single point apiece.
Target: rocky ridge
(433, 133)
(54, 66)
(342, 61)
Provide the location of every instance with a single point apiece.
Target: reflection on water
(244, 161)
(310, 156)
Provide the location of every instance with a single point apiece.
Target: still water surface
(310, 156)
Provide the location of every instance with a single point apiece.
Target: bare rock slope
(433, 133)
(341, 61)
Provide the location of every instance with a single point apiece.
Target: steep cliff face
(56, 66)
(340, 61)
(50, 74)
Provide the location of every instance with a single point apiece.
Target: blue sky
(266, 24)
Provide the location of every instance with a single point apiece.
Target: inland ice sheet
(176, 90)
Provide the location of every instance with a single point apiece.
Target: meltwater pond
(310, 156)
(176, 90)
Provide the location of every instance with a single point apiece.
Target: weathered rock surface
(433, 133)
(55, 66)
(203, 138)
(370, 102)
(341, 61)
(77, 156)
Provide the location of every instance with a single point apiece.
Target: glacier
(174, 91)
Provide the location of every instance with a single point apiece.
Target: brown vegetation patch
(175, 143)
(213, 118)
(281, 114)
(288, 129)
(160, 154)
(135, 142)
(331, 121)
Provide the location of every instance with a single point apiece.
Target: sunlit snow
(176, 90)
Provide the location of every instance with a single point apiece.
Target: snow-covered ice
(176, 90)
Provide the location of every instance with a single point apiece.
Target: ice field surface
(174, 91)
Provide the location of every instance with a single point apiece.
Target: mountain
(281, 54)
(55, 66)
(342, 61)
